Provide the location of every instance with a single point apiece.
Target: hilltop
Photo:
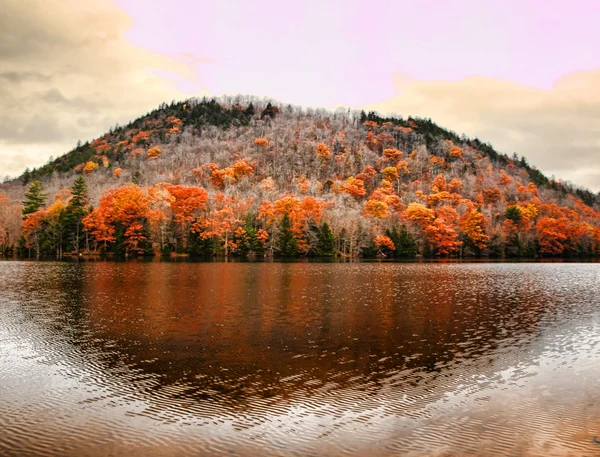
(242, 176)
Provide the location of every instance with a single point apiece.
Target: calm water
(299, 359)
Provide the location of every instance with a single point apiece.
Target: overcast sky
(523, 75)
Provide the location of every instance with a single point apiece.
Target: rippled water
(303, 359)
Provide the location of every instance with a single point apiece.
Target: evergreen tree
(34, 199)
(75, 211)
(513, 213)
(325, 241)
(405, 244)
(288, 245)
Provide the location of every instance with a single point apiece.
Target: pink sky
(345, 52)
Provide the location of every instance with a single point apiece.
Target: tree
(121, 219)
(385, 245)
(288, 245)
(404, 242)
(34, 199)
(221, 222)
(325, 241)
(186, 203)
(77, 208)
(473, 224)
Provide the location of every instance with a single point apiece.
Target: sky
(523, 75)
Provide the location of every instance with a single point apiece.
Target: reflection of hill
(235, 332)
(299, 359)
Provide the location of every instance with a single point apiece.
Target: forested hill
(240, 176)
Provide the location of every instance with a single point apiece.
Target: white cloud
(68, 73)
(557, 129)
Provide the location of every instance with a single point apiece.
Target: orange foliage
(474, 224)
(377, 209)
(89, 167)
(141, 137)
(456, 152)
(323, 151)
(439, 184)
(505, 179)
(384, 241)
(402, 167)
(126, 206)
(390, 174)
(455, 185)
(442, 237)
(392, 154)
(268, 184)
(420, 214)
(491, 196)
(354, 187)
(154, 152)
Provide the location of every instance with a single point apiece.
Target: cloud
(68, 73)
(556, 129)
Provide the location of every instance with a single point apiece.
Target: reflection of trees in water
(236, 332)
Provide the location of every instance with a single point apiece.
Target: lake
(299, 359)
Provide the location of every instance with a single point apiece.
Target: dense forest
(239, 176)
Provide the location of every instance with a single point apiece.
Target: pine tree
(404, 242)
(76, 210)
(288, 245)
(325, 241)
(34, 199)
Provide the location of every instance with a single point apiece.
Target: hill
(242, 176)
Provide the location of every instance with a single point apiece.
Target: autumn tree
(186, 204)
(473, 224)
(121, 220)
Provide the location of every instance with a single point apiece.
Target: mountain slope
(239, 176)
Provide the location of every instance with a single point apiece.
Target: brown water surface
(299, 359)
